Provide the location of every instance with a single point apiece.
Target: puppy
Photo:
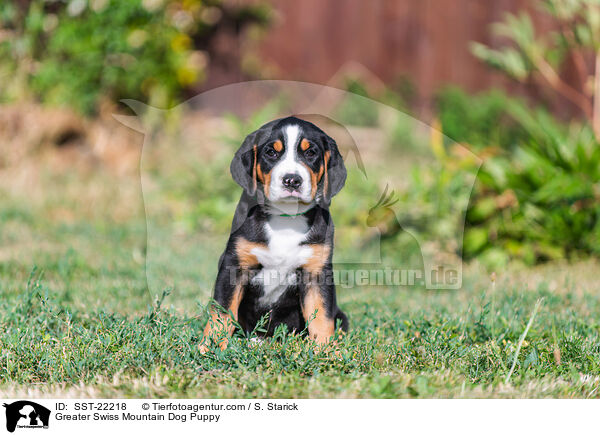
(277, 261)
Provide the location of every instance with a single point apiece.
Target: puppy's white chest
(282, 257)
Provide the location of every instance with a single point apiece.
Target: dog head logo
(26, 414)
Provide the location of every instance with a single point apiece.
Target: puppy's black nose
(292, 181)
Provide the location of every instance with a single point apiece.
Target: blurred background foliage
(82, 53)
(537, 194)
(538, 199)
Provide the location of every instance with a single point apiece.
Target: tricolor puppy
(278, 257)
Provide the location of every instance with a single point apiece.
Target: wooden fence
(424, 40)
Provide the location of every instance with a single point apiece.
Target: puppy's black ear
(334, 176)
(243, 165)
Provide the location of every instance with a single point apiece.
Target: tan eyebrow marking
(304, 145)
(278, 146)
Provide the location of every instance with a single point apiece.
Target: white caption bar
(150, 416)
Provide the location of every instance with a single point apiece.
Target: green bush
(77, 53)
(536, 196)
(539, 200)
(478, 120)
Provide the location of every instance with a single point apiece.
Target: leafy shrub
(76, 53)
(478, 120)
(541, 200)
(574, 36)
(537, 193)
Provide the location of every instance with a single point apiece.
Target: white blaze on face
(290, 164)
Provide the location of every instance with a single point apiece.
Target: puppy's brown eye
(310, 152)
(270, 152)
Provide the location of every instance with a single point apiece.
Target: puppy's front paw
(203, 348)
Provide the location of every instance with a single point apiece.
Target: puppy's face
(290, 165)
(290, 161)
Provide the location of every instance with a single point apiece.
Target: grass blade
(522, 339)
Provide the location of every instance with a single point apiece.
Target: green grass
(75, 327)
(77, 318)
(402, 344)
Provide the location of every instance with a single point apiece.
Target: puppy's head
(290, 161)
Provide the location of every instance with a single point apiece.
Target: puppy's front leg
(318, 294)
(229, 291)
(316, 314)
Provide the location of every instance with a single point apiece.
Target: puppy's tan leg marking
(221, 325)
(321, 327)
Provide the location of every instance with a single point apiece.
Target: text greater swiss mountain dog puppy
(278, 258)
